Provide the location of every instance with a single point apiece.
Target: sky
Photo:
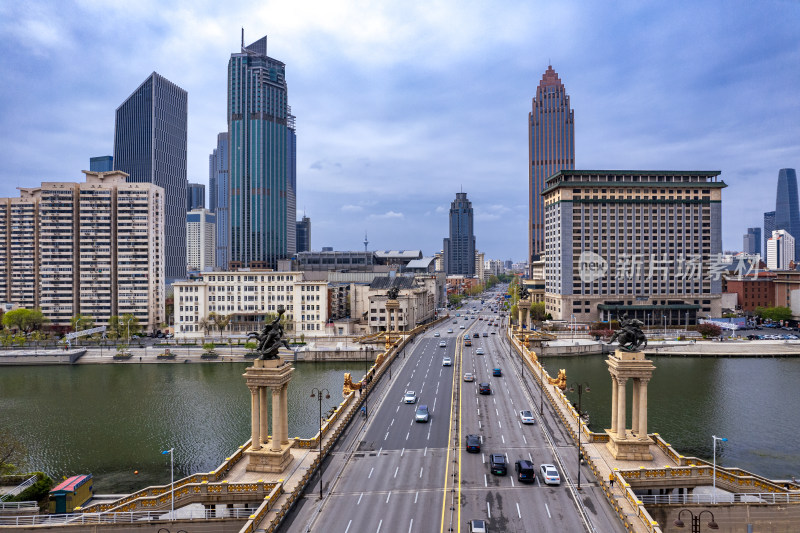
(400, 105)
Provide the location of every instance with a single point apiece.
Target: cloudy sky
(400, 105)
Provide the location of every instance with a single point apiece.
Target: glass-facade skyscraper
(195, 196)
(218, 196)
(751, 243)
(150, 146)
(103, 163)
(787, 208)
(304, 235)
(551, 147)
(262, 170)
(769, 227)
(459, 248)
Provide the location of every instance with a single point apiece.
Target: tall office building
(261, 133)
(195, 196)
(201, 237)
(780, 250)
(769, 227)
(459, 248)
(751, 243)
(219, 197)
(94, 248)
(304, 235)
(150, 146)
(103, 163)
(551, 147)
(635, 242)
(787, 208)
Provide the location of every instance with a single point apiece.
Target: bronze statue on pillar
(630, 335)
(270, 338)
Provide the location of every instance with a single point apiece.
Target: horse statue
(270, 338)
(393, 293)
(629, 336)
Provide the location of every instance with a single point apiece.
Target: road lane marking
(485, 481)
(519, 514)
(398, 409)
(388, 496)
(483, 457)
(359, 498)
(370, 472)
(519, 424)
(434, 405)
(499, 423)
(479, 424)
(390, 425)
(429, 432)
(425, 453)
(512, 483)
(526, 440)
(348, 526)
(379, 526)
(548, 511)
(402, 452)
(479, 411)
(497, 411)
(407, 434)
(387, 436)
(504, 439)
(488, 509)
(410, 525)
(420, 471)
(416, 495)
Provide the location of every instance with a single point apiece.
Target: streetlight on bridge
(695, 520)
(715, 439)
(580, 388)
(318, 392)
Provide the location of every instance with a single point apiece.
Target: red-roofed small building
(71, 493)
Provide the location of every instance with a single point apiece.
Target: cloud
(352, 208)
(388, 215)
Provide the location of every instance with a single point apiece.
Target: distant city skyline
(400, 105)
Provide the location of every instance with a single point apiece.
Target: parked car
(550, 474)
(469, 376)
(410, 397)
(484, 388)
(497, 464)
(526, 417)
(473, 444)
(422, 414)
(446, 361)
(525, 471)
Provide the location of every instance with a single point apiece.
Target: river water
(112, 420)
(754, 403)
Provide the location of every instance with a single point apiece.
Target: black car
(497, 464)
(473, 444)
(484, 388)
(476, 336)
(525, 471)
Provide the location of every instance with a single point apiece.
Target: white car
(436, 334)
(469, 376)
(442, 344)
(450, 330)
(526, 417)
(550, 474)
(462, 326)
(446, 361)
(410, 397)
(479, 351)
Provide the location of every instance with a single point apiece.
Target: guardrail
(770, 498)
(19, 488)
(18, 506)
(121, 518)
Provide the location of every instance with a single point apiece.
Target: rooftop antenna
(242, 37)
(366, 241)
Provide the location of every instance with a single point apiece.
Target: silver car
(410, 397)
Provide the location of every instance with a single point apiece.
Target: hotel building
(637, 242)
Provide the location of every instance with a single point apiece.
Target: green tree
(24, 319)
(114, 328)
(12, 453)
(80, 322)
(776, 314)
(130, 325)
(538, 312)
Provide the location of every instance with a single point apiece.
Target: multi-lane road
(392, 474)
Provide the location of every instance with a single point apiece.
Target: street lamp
(574, 324)
(580, 388)
(649, 316)
(128, 323)
(715, 439)
(695, 520)
(318, 392)
(665, 327)
(171, 479)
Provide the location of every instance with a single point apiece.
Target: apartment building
(244, 297)
(201, 239)
(641, 243)
(93, 248)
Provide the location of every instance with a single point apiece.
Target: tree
(24, 319)
(221, 321)
(129, 324)
(709, 330)
(82, 322)
(538, 312)
(205, 324)
(12, 453)
(776, 314)
(114, 328)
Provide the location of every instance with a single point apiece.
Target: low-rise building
(752, 291)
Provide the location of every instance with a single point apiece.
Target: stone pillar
(643, 409)
(621, 408)
(285, 409)
(635, 406)
(255, 411)
(614, 399)
(277, 422)
(264, 415)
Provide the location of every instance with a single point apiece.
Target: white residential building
(245, 296)
(780, 250)
(201, 240)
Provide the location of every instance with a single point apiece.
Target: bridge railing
(19, 488)
(769, 498)
(121, 518)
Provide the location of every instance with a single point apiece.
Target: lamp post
(128, 323)
(687, 320)
(318, 393)
(366, 387)
(715, 439)
(171, 479)
(665, 327)
(695, 520)
(574, 324)
(580, 388)
(649, 316)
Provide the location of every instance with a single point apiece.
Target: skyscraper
(261, 134)
(195, 196)
(751, 244)
(459, 248)
(780, 250)
(218, 196)
(787, 208)
(103, 163)
(551, 147)
(150, 146)
(769, 227)
(304, 235)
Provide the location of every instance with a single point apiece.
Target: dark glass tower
(195, 196)
(262, 164)
(218, 197)
(459, 248)
(150, 146)
(769, 227)
(787, 208)
(304, 235)
(551, 147)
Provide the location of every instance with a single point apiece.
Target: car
(422, 414)
(473, 444)
(467, 342)
(462, 326)
(450, 330)
(525, 471)
(437, 334)
(476, 336)
(410, 397)
(478, 526)
(497, 464)
(484, 388)
(494, 333)
(134, 336)
(446, 361)
(550, 474)
(170, 335)
(469, 376)
(466, 337)
(526, 417)
(485, 334)
(497, 372)
(455, 321)
(479, 351)
(442, 344)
